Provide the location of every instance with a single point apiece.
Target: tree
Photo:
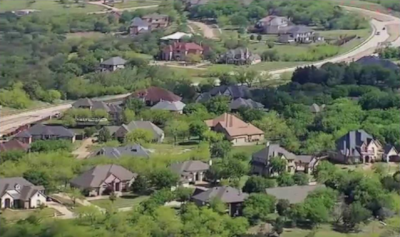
(38, 177)
(258, 184)
(282, 206)
(193, 58)
(104, 135)
(135, 104)
(220, 148)
(112, 197)
(50, 145)
(183, 194)
(252, 37)
(270, 44)
(354, 214)
(139, 136)
(218, 105)
(164, 178)
(140, 185)
(259, 37)
(177, 129)
(89, 131)
(218, 206)
(278, 164)
(278, 225)
(74, 194)
(300, 178)
(258, 206)
(128, 116)
(197, 128)
(285, 179)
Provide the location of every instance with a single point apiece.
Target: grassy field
(135, 3)
(80, 35)
(247, 149)
(15, 215)
(169, 148)
(123, 201)
(47, 5)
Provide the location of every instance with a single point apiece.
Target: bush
(51, 145)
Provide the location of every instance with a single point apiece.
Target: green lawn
(135, 3)
(80, 35)
(160, 148)
(15, 215)
(247, 149)
(123, 201)
(47, 5)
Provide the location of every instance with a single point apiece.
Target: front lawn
(13, 215)
(48, 5)
(248, 150)
(120, 202)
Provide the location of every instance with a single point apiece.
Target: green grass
(20, 214)
(136, 3)
(169, 148)
(80, 35)
(47, 5)
(120, 202)
(249, 150)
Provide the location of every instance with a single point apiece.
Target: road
(115, 9)
(208, 31)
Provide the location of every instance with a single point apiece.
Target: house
(175, 106)
(153, 95)
(112, 64)
(157, 20)
(114, 111)
(294, 194)
(299, 34)
(235, 130)
(232, 197)
(103, 180)
(374, 60)
(44, 132)
(138, 26)
(357, 146)
(193, 3)
(244, 103)
(192, 171)
(177, 36)
(177, 51)
(13, 145)
(260, 160)
(129, 150)
(233, 91)
(314, 108)
(123, 130)
(18, 192)
(111, 129)
(272, 24)
(240, 56)
(390, 154)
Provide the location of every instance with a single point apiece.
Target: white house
(17, 192)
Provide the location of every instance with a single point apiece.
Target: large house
(178, 51)
(175, 106)
(240, 56)
(238, 103)
(13, 145)
(18, 192)
(156, 20)
(177, 36)
(299, 34)
(114, 111)
(139, 26)
(44, 132)
(103, 180)
(260, 160)
(272, 24)
(359, 146)
(192, 171)
(232, 197)
(112, 64)
(123, 130)
(294, 194)
(153, 95)
(234, 92)
(117, 152)
(235, 130)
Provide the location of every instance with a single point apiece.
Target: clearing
(121, 202)
(48, 5)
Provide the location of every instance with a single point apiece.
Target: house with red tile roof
(236, 130)
(153, 95)
(13, 145)
(178, 51)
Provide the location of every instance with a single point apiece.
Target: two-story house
(240, 56)
(178, 51)
(272, 24)
(299, 34)
(157, 20)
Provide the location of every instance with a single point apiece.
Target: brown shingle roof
(156, 94)
(233, 125)
(13, 145)
(224, 193)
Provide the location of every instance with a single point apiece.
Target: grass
(249, 150)
(80, 35)
(15, 215)
(135, 3)
(47, 5)
(169, 148)
(120, 202)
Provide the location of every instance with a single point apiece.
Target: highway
(383, 20)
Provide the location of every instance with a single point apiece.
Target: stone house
(19, 193)
(299, 34)
(190, 172)
(240, 56)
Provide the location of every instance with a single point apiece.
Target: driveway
(208, 31)
(83, 151)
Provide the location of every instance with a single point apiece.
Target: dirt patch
(394, 32)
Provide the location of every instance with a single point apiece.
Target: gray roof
(139, 22)
(111, 129)
(233, 91)
(225, 194)
(114, 61)
(304, 158)
(95, 104)
(43, 130)
(248, 103)
(94, 177)
(350, 143)
(387, 148)
(374, 60)
(155, 16)
(314, 108)
(299, 29)
(130, 150)
(157, 132)
(189, 166)
(263, 155)
(19, 188)
(294, 194)
(239, 53)
(170, 106)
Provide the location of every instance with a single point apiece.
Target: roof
(183, 46)
(18, 188)
(273, 20)
(349, 144)
(96, 104)
(233, 91)
(155, 16)
(157, 132)
(233, 125)
(117, 152)
(248, 103)
(40, 129)
(387, 148)
(170, 106)
(225, 194)
(177, 36)
(264, 155)
(314, 108)
(374, 60)
(139, 22)
(299, 29)
(156, 94)
(294, 194)
(189, 166)
(13, 145)
(238, 53)
(94, 177)
(114, 61)
(111, 129)
(304, 158)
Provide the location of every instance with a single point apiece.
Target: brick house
(178, 51)
(157, 20)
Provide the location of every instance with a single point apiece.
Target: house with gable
(103, 180)
(124, 129)
(18, 192)
(175, 106)
(152, 95)
(44, 132)
(139, 26)
(272, 24)
(191, 171)
(112, 64)
(299, 34)
(156, 20)
(240, 56)
(114, 111)
(233, 91)
(177, 51)
(235, 130)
